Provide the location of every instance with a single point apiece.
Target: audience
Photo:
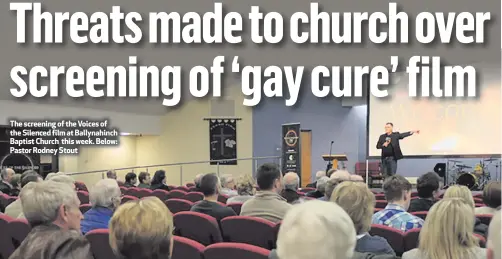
(148, 238)
(16, 185)
(493, 244)
(52, 209)
(196, 181)
(130, 180)
(267, 203)
(337, 177)
(228, 186)
(320, 188)
(104, 198)
(327, 233)
(318, 175)
(291, 183)
(397, 192)
(245, 190)
(159, 181)
(463, 193)
(428, 192)
(491, 199)
(111, 175)
(5, 185)
(209, 186)
(447, 233)
(144, 180)
(15, 209)
(359, 202)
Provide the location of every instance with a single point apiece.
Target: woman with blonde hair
(245, 189)
(463, 193)
(448, 233)
(359, 202)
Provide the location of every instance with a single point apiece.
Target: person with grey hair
(5, 185)
(66, 179)
(15, 209)
(104, 198)
(16, 185)
(291, 182)
(318, 175)
(52, 210)
(111, 175)
(320, 189)
(49, 176)
(196, 181)
(228, 186)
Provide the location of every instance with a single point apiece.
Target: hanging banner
(223, 141)
(291, 157)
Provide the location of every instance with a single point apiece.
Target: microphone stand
(330, 163)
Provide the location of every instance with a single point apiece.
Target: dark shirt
(159, 186)
(393, 149)
(4, 188)
(421, 204)
(290, 195)
(213, 209)
(144, 185)
(373, 244)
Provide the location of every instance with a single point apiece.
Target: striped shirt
(395, 216)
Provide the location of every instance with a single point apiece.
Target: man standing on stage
(391, 151)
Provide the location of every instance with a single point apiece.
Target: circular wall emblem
(291, 138)
(18, 162)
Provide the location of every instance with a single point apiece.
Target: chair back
(100, 244)
(420, 214)
(178, 205)
(142, 193)
(176, 194)
(123, 189)
(81, 186)
(83, 196)
(18, 230)
(411, 239)
(482, 240)
(6, 246)
(85, 207)
(190, 185)
(163, 195)
(248, 230)
(194, 196)
(235, 250)
(127, 198)
(380, 204)
(236, 207)
(380, 197)
(394, 237)
(180, 188)
(223, 198)
(185, 248)
(197, 226)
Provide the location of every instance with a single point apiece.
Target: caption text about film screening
(215, 27)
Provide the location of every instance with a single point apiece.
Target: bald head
(342, 175)
(7, 174)
(319, 175)
(494, 237)
(291, 181)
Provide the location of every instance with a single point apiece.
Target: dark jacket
(421, 204)
(290, 196)
(51, 242)
(159, 186)
(394, 140)
(4, 188)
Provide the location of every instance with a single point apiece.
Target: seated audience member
(291, 182)
(318, 175)
(111, 175)
(359, 202)
(462, 192)
(144, 180)
(245, 190)
(336, 178)
(397, 192)
(228, 186)
(104, 198)
(159, 181)
(196, 181)
(149, 238)
(66, 179)
(130, 180)
(320, 188)
(447, 233)
(322, 235)
(209, 186)
(52, 209)
(5, 185)
(493, 244)
(491, 199)
(428, 191)
(16, 185)
(267, 203)
(15, 209)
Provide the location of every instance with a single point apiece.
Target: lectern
(334, 159)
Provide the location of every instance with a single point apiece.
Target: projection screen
(451, 127)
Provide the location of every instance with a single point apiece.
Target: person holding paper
(391, 150)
